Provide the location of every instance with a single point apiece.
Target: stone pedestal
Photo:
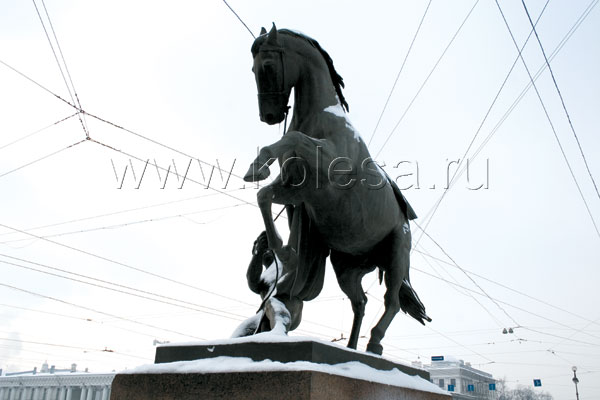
(282, 351)
(272, 385)
(310, 371)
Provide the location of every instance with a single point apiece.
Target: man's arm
(255, 268)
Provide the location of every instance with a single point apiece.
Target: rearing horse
(353, 208)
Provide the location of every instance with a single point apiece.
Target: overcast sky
(178, 78)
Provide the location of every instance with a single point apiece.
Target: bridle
(279, 96)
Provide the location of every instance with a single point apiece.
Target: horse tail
(411, 304)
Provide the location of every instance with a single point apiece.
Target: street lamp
(575, 381)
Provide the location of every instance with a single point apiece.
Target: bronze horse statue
(342, 203)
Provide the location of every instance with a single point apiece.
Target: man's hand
(260, 244)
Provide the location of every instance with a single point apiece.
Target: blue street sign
(437, 358)
(470, 388)
(537, 382)
(492, 386)
(451, 388)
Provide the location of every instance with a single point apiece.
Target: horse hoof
(256, 173)
(375, 348)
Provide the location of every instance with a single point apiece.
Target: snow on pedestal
(239, 377)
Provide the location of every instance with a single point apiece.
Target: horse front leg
(292, 141)
(265, 202)
(259, 169)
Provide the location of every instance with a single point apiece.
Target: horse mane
(338, 81)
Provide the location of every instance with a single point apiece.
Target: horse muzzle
(273, 107)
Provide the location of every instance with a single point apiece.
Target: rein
(281, 96)
(280, 93)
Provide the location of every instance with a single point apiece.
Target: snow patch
(263, 337)
(405, 227)
(282, 316)
(353, 369)
(339, 112)
(269, 275)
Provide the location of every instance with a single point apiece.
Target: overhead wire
(399, 72)
(20, 349)
(46, 312)
(223, 192)
(66, 346)
(521, 95)
(137, 134)
(460, 344)
(185, 304)
(239, 18)
(518, 99)
(427, 79)
(484, 119)
(436, 206)
(467, 275)
(455, 286)
(564, 338)
(138, 270)
(129, 223)
(124, 265)
(469, 294)
(86, 129)
(555, 52)
(562, 100)
(41, 158)
(558, 48)
(39, 85)
(508, 288)
(73, 99)
(508, 304)
(156, 142)
(36, 131)
(591, 216)
(112, 213)
(97, 311)
(82, 319)
(576, 332)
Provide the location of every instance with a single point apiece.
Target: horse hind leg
(349, 276)
(392, 306)
(394, 276)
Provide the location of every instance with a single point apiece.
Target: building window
(453, 381)
(441, 383)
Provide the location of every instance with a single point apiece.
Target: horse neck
(313, 93)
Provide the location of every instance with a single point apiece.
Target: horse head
(274, 78)
(282, 60)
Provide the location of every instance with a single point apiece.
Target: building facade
(53, 384)
(461, 379)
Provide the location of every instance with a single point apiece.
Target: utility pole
(575, 381)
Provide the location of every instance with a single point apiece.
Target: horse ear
(272, 38)
(263, 31)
